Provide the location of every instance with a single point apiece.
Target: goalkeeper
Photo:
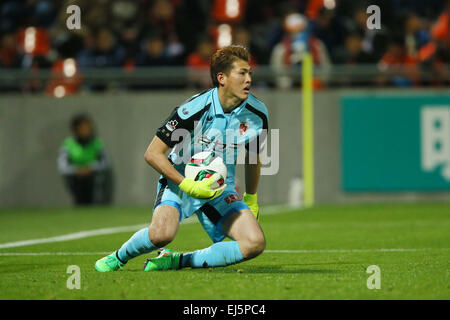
(228, 106)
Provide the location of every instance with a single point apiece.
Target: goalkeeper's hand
(202, 189)
(252, 201)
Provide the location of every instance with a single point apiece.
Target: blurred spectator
(9, 58)
(198, 63)
(65, 79)
(263, 24)
(352, 52)
(153, 52)
(191, 20)
(124, 14)
(42, 12)
(102, 51)
(126, 22)
(352, 55)
(328, 29)
(119, 33)
(374, 40)
(34, 41)
(223, 11)
(9, 53)
(313, 9)
(175, 49)
(292, 49)
(96, 14)
(157, 51)
(11, 14)
(435, 54)
(161, 17)
(83, 163)
(105, 53)
(68, 43)
(416, 33)
(242, 37)
(35, 47)
(397, 66)
(428, 8)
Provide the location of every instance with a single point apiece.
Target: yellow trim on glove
(252, 201)
(202, 189)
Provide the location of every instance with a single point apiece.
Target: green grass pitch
(328, 249)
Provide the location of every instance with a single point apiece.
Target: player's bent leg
(248, 243)
(243, 227)
(162, 230)
(164, 226)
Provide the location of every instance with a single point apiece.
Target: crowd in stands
(130, 34)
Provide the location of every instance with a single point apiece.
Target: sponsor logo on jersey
(216, 145)
(171, 125)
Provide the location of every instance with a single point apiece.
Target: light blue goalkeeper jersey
(200, 124)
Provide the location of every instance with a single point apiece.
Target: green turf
(420, 274)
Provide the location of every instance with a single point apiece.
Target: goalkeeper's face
(239, 79)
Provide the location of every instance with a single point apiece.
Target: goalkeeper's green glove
(252, 201)
(202, 189)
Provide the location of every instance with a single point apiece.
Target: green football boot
(109, 263)
(166, 260)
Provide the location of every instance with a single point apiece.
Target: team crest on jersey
(171, 125)
(243, 128)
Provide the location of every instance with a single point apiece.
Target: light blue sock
(138, 244)
(220, 254)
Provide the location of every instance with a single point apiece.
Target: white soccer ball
(203, 165)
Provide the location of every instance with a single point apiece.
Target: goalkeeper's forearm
(156, 157)
(252, 173)
(160, 163)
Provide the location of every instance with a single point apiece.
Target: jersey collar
(218, 110)
(216, 103)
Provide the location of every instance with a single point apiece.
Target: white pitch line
(97, 232)
(72, 236)
(7, 254)
(266, 251)
(355, 250)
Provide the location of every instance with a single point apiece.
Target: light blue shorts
(211, 214)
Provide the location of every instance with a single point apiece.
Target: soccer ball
(203, 165)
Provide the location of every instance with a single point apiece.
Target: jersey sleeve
(258, 144)
(165, 131)
(181, 118)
